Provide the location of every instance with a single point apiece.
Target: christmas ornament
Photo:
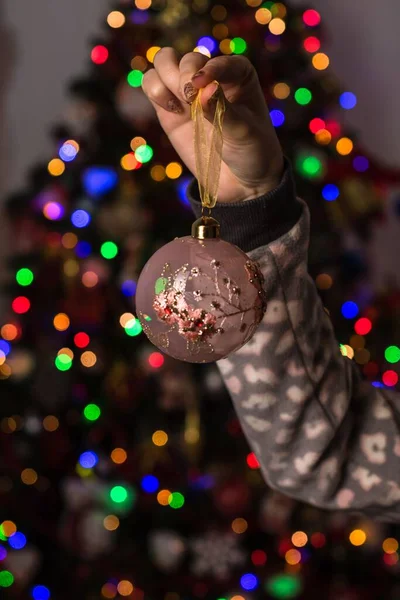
(200, 298)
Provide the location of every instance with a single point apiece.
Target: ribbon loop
(208, 149)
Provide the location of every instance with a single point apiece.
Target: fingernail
(190, 92)
(174, 106)
(198, 74)
(215, 95)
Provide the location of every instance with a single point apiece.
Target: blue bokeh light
(128, 287)
(88, 460)
(67, 152)
(361, 163)
(350, 310)
(80, 218)
(40, 592)
(17, 541)
(139, 17)
(277, 117)
(150, 483)
(208, 42)
(100, 180)
(248, 581)
(182, 187)
(348, 100)
(83, 249)
(3, 553)
(330, 192)
(5, 347)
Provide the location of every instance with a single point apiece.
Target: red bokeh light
(390, 378)
(316, 125)
(390, 559)
(312, 44)
(311, 17)
(99, 55)
(284, 546)
(258, 558)
(156, 360)
(334, 128)
(363, 326)
(21, 305)
(318, 540)
(252, 461)
(81, 339)
(371, 370)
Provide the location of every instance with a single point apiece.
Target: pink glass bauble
(200, 300)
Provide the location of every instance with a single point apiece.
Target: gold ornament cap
(206, 228)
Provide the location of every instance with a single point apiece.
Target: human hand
(252, 160)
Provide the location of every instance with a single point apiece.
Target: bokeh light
(61, 322)
(119, 456)
(392, 354)
(363, 326)
(40, 592)
(176, 500)
(348, 100)
(281, 90)
(92, 412)
(173, 170)
(344, 146)
(312, 44)
(125, 588)
(6, 579)
(315, 125)
(111, 522)
(330, 192)
(24, 277)
(109, 250)
(239, 525)
(29, 476)
(311, 17)
(252, 461)
(20, 305)
(88, 359)
(277, 117)
(159, 438)
(303, 96)
(299, 539)
(258, 558)
(17, 541)
(150, 483)
(54, 211)
(151, 53)
(320, 61)
(277, 26)
(263, 16)
(56, 167)
(118, 494)
(390, 378)
(357, 537)
(390, 545)
(135, 78)
(360, 164)
(116, 19)
(80, 218)
(99, 55)
(248, 581)
(88, 459)
(349, 310)
(156, 360)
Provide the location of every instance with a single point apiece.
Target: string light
(9, 332)
(54, 211)
(40, 592)
(88, 460)
(61, 322)
(143, 4)
(163, 497)
(90, 279)
(68, 150)
(63, 362)
(6, 579)
(156, 360)
(133, 328)
(88, 359)
(209, 43)
(24, 277)
(293, 557)
(150, 484)
(390, 545)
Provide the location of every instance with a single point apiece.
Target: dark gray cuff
(254, 223)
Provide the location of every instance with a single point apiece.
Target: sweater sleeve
(321, 434)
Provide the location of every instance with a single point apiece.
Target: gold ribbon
(208, 149)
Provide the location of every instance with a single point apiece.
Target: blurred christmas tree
(124, 473)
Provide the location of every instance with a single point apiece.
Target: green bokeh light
(283, 586)
(92, 412)
(309, 166)
(118, 494)
(24, 277)
(238, 45)
(135, 78)
(176, 500)
(6, 579)
(109, 250)
(144, 153)
(303, 96)
(392, 354)
(134, 329)
(63, 362)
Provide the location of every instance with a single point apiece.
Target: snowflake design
(215, 554)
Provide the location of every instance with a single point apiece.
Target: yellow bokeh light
(236, 597)
(299, 539)
(66, 351)
(225, 46)
(159, 438)
(173, 170)
(118, 456)
(136, 142)
(220, 31)
(320, 61)
(357, 342)
(390, 545)
(125, 318)
(2, 358)
(129, 162)
(61, 322)
(90, 279)
(344, 146)
(219, 12)
(203, 50)
(5, 371)
(50, 423)
(29, 476)
(69, 240)
(277, 26)
(9, 332)
(111, 523)
(116, 19)
(157, 173)
(279, 10)
(293, 557)
(362, 356)
(239, 525)
(324, 281)
(163, 497)
(347, 351)
(281, 90)
(323, 137)
(139, 63)
(74, 144)
(8, 528)
(56, 167)
(253, 3)
(71, 267)
(151, 52)
(88, 359)
(109, 591)
(357, 537)
(263, 16)
(125, 588)
(143, 4)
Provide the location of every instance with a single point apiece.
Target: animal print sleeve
(321, 433)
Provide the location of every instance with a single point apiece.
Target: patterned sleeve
(321, 433)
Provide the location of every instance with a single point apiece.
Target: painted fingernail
(190, 92)
(174, 106)
(198, 74)
(215, 95)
